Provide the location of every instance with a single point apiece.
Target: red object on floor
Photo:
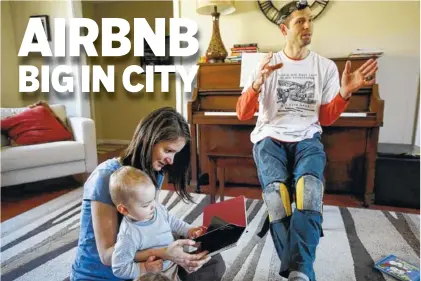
(232, 211)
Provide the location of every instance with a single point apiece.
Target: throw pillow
(36, 125)
(56, 110)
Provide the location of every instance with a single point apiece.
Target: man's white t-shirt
(290, 98)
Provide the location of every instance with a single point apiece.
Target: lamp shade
(207, 7)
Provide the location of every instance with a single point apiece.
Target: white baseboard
(108, 141)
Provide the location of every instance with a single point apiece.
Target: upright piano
(350, 143)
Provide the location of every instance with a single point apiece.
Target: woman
(161, 143)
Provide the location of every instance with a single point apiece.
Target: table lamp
(216, 51)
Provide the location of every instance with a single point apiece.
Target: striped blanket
(40, 244)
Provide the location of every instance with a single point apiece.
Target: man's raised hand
(364, 76)
(265, 70)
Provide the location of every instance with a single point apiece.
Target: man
(296, 91)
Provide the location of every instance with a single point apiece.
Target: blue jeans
(295, 237)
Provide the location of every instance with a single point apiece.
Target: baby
(146, 224)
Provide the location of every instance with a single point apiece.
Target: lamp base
(216, 51)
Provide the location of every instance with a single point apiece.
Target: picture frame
(45, 19)
(149, 57)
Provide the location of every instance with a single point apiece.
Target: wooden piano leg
(368, 199)
(194, 165)
(373, 138)
(212, 180)
(221, 179)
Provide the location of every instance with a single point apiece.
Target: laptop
(226, 222)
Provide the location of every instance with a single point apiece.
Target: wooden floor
(19, 199)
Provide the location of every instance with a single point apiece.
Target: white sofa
(31, 163)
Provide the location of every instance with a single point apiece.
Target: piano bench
(217, 164)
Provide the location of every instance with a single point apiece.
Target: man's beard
(305, 42)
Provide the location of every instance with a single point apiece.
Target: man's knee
(277, 200)
(309, 194)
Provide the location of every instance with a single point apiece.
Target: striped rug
(40, 244)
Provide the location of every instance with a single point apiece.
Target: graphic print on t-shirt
(295, 94)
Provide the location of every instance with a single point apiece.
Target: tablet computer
(219, 239)
(226, 222)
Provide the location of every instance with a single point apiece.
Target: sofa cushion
(28, 156)
(36, 125)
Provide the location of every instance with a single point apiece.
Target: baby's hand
(153, 264)
(196, 231)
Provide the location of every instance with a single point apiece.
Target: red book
(232, 211)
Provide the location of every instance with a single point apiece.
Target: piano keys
(344, 114)
(350, 143)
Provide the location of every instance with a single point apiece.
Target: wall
(9, 62)
(390, 25)
(14, 21)
(416, 136)
(20, 12)
(117, 114)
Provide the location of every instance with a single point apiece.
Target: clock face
(274, 13)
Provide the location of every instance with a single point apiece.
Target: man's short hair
(123, 183)
(289, 8)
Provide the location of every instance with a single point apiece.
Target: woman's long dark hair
(164, 124)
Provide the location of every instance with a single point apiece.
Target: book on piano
(366, 53)
(226, 223)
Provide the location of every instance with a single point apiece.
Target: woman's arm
(143, 255)
(105, 223)
(175, 253)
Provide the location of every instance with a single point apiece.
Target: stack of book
(366, 53)
(238, 49)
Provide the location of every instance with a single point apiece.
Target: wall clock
(274, 14)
